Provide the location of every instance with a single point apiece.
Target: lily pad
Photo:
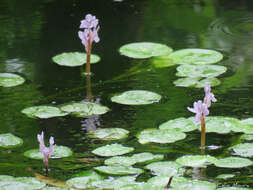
(43, 112)
(141, 50)
(59, 152)
(225, 176)
(73, 59)
(84, 181)
(113, 183)
(195, 56)
(6, 178)
(160, 181)
(118, 170)
(8, 140)
(200, 70)
(160, 136)
(54, 188)
(182, 124)
(10, 80)
(245, 149)
(196, 82)
(112, 150)
(179, 183)
(140, 186)
(233, 162)
(136, 97)
(195, 160)
(109, 134)
(84, 108)
(165, 168)
(247, 137)
(120, 161)
(211, 80)
(247, 126)
(234, 188)
(147, 157)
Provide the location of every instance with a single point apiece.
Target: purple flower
(209, 97)
(200, 109)
(46, 151)
(89, 22)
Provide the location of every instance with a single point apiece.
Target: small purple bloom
(89, 22)
(209, 97)
(46, 151)
(200, 109)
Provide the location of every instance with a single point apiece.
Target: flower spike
(200, 109)
(209, 97)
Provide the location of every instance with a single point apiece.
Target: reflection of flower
(209, 97)
(46, 151)
(200, 109)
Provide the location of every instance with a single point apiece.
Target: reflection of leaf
(51, 181)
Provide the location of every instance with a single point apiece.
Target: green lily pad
(84, 182)
(225, 176)
(245, 149)
(200, 70)
(54, 188)
(10, 80)
(119, 170)
(211, 80)
(234, 188)
(43, 112)
(196, 82)
(73, 59)
(247, 126)
(179, 183)
(165, 168)
(109, 134)
(113, 183)
(182, 124)
(120, 160)
(160, 181)
(160, 136)
(233, 162)
(195, 56)
(6, 178)
(136, 97)
(195, 160)
(247, 137)
(59, 152)
(8, 140)
(147, 157)
(84, 108)
(141, 50)
(140, 186)
(112, 150)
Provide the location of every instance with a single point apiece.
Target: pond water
(32, 32)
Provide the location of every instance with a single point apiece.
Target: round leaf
(181, 124)
(160, 136)
(73, 59)
(112, 150)
(109, 134)
(225, 176)
(195, 56)
(211, 80)
(136, 97)
(234, 188)
(10, 80)
(113, 183)
(141, 50)
(245, 149)
(187, 81)
(140, 186)
(59, 152)
(43, 112)
(147, 157)
(165, 168)
(8, 140)
(233, 162)
(119, 170)
(160, 181)
(247, 137)
(195, 160)
(179, 183)
(120, 160)
(247, 126)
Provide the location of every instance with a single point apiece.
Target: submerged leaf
(141, 50)
(8, 140)
(73, 59)
(10, 80)
(51, 181)
(112, 150)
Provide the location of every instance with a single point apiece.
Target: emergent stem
(203, 134)
(88, 87)
(88, 55)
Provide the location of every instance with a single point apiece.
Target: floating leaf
(10, 80)
(200, 70)
(182, 124)
(84, 108)
(195, 160)
(8, 140)
(59, 152)
(140, 186)
(113, 183)
(211, 80)
(187, 81)
(233, 162)
(247, 137)
(141, 50)
(160, 181)
(234, 188)
(6, 178)
(54, 188)
(147, 157)
(109, 133)
(120, 160)
(245, 149)
(247, 126)
(195, 56)
(43, 112)
(73, 59)
(119, 170)
(160, 136)
(136, 97)
(225, 176)
(112, 150)
(165, 168)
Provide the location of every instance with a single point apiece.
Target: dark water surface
(32, 32)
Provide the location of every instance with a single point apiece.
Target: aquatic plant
(90, 34)
(46, 151)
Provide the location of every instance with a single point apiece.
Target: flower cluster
(46, 151)
(90, 33)
(201, 108)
